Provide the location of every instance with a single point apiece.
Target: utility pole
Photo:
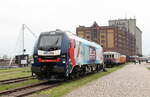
(23, 50)
(23, 28)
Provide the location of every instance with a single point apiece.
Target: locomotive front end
(50, 55)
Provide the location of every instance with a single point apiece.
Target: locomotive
(62, 55)
(113, 58)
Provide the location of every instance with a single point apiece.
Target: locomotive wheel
(81, 73)
(72, 76)
(98, 68)
(77, 74)
(104, 67)
(110, 66)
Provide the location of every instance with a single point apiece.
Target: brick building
(112, 38)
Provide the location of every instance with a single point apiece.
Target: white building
(130, 26)
(138, 41)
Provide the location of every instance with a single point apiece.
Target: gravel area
(133, 80)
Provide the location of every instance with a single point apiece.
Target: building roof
(95, 24)
(122, 19)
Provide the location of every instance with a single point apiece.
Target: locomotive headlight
(63, 58)
(63, 61)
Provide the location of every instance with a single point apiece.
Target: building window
(102, 41)
(110, 30)
(88, 37)
(102, 36)
(80, 33)
(87, 32)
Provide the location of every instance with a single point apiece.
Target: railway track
(33, 88)
(29, 89)
(15, 80)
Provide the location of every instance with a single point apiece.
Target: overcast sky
(46, 15)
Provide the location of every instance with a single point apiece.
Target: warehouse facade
(112, 38)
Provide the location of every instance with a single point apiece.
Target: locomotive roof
(51, 32)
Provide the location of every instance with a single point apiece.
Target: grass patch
(14, 69)
(11, 86)
(14, 73)
(69, 86)
(148, 68)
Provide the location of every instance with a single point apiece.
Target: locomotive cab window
(50, 42)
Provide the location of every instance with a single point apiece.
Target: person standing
(139, 61)
(135, 61)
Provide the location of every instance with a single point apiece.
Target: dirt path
(130, 81)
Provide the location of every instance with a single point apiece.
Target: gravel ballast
(133, 80)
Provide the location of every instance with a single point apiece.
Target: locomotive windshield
(50, 42)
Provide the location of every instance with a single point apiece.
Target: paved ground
(130, 81)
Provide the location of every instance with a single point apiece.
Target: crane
(24, 26)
